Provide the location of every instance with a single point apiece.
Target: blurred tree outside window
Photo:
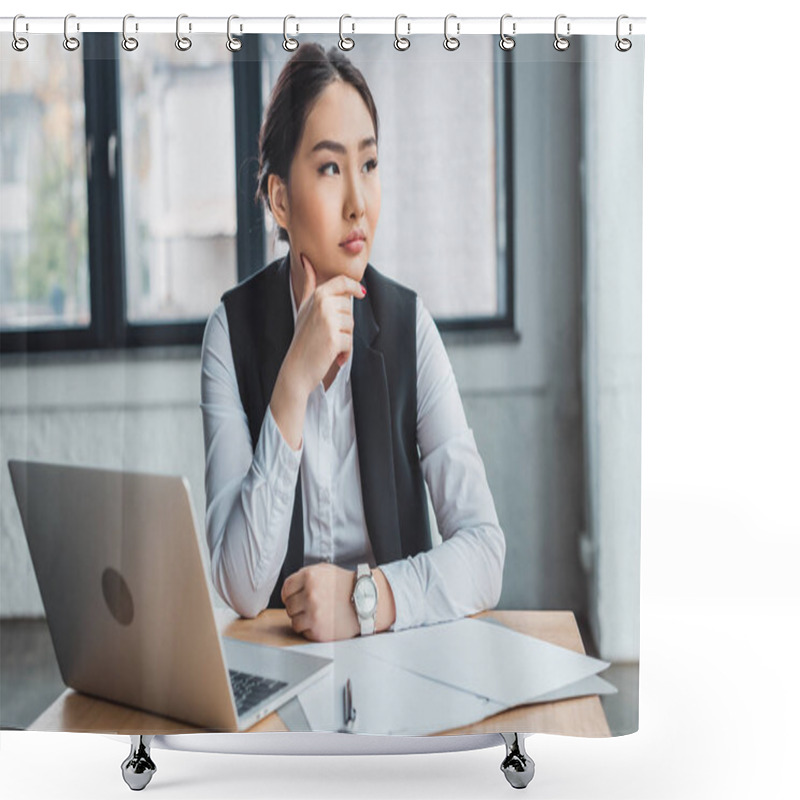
(44, 268)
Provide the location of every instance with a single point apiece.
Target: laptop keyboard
(249, 690)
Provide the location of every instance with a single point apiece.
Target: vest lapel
(277, 328)
(372, 412)
(278, 333)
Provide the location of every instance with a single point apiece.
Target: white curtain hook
(129, 43)
(71, 43)
(288, 42)
(345, 43)
(183, 43)
(451, 42)
(400, 42)
(560, 43)
(623, 45)
(19, 43)
(507, 42)
(233, 44)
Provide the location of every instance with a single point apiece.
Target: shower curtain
(473, 448)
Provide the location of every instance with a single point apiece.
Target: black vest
(384, 384)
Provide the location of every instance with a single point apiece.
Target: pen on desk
(349, 709)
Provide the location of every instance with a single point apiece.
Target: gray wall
(612, 90)
(131, 413)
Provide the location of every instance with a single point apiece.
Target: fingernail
(363, 290)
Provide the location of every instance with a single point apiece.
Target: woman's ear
(277, 193)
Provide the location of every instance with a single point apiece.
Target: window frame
(109, 328)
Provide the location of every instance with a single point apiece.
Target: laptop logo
(118, 596)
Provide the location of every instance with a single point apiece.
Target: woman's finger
(292, 585)
(301, 622)
(344, 344)
(294, 604)
(338, 303)
(344, 285)
(346, 323)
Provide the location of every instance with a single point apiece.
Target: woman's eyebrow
(327, 144)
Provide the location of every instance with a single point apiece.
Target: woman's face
(334, 187)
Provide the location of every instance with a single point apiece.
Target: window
(179, 181)
(44, 272)
(127, 183)
(444, 156)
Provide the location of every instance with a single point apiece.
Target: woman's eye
(372, 164)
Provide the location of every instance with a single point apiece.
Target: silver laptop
(118, 562)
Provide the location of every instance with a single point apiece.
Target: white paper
(388, 699)
(588, 686)
(434, 678)
(295, 718)
(486, 659)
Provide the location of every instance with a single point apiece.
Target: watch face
(366, 597)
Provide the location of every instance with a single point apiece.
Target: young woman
(328, 399)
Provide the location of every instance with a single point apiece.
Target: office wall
(132, 413)
(612, 356)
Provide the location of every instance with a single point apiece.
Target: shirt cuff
(398, 575)
(275, 461)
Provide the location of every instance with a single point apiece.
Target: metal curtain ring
(288, 42)
(507, 42)
(400, 42)
(345, 43)
(560, 42)
(623, 45)
(128, 42)
(233, 44)
(18, 42)
(70, 42)
(183, 43)
(451, 42)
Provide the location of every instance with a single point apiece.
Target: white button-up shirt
(250, 491)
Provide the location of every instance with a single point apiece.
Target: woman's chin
(353, 266)
(342, 263)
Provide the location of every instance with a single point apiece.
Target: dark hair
(303, 78)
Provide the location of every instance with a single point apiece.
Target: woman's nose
(354, 203)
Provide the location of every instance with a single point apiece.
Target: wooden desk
(581, 716)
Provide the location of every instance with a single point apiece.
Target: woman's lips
(353, 247)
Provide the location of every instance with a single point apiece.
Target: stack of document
(431, 679)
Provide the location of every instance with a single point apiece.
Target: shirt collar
(344, 370)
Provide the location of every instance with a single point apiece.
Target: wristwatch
(365, 599)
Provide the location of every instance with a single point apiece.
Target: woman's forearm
(250, 485)
(248, 519)
(461, 576)
(288, 404)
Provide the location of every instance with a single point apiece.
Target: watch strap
(367, 623)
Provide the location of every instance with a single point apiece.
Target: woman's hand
(317, 600)
(323, 331)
